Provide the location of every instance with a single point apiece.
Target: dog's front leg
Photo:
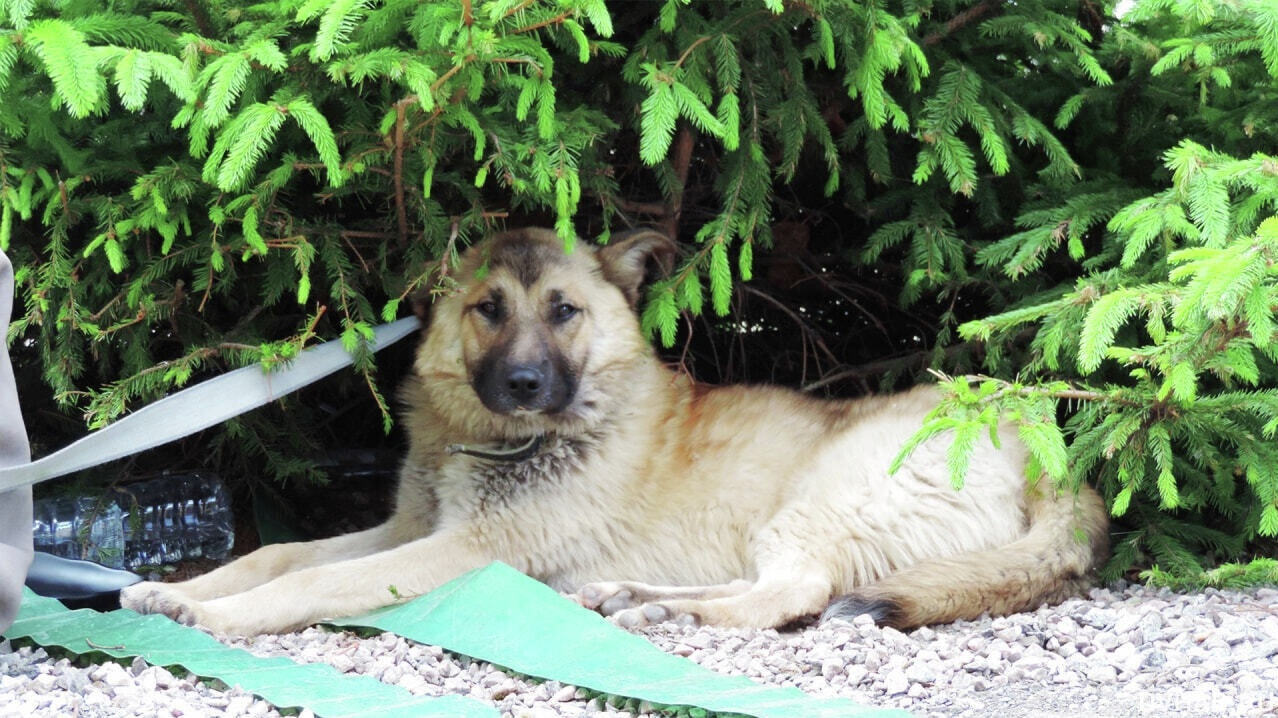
(344, 588)
(255, 569)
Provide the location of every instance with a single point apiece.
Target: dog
(544, 432)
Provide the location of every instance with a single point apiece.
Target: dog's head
(536, 338)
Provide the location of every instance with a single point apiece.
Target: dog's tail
(1057, 557)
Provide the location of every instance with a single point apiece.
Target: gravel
(1123, 651)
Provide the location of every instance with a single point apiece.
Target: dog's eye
(488, 308)
(564, 311)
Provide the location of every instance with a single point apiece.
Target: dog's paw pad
(620, 601)
(146, 597)
(630, 618)
(159, 598)
(606, 598)
(652, 613)
(655, 612)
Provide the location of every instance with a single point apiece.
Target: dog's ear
(626, 258)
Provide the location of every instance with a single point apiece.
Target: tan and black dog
(545, 433)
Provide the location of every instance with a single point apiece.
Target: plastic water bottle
(176, 517)
(149, 523)
(83, 528)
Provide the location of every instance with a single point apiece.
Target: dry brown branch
(401, 212)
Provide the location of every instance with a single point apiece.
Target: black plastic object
(76, 583)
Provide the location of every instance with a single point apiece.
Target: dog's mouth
(520, 412)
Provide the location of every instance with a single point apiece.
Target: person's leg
(15, 505)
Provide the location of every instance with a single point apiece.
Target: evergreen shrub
(1068, 214)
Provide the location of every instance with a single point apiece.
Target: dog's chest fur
(486, 486)
(507, 509)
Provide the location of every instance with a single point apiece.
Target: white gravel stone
(1102, 674)
(896, 683)
(921, 672)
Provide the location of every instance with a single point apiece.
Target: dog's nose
(524, 383)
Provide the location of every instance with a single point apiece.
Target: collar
(503, 452)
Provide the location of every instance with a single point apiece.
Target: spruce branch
(1067, 393)
(817, 342)
(518, 8)
(201, 18)
(544, 23)
(688, 50)
(904, 362)
(963, 19)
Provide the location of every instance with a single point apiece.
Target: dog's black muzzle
(540, 386)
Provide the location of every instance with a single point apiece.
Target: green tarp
(499, 615)
(160, 641)
(495, 614)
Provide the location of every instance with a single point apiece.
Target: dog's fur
(734, 506)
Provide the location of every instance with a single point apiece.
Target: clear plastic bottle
(148, 523)
(83, 528)
(176, 517)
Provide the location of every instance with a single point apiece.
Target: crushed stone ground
(1123, 651)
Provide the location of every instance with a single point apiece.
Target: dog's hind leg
(774, 600)
(609, 597)
(792, 558)
(257, 568)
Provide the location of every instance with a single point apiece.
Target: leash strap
(197, 408)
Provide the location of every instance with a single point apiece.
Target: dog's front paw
(161, 598)
(607, 597)
(652, 613)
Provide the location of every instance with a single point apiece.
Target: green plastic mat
(160, 641)
(497, 614)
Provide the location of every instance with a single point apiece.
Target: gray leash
(206, 404)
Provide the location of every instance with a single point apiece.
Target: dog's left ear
(626, 257)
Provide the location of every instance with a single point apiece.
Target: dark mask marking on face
(544, 382)
(526, 260)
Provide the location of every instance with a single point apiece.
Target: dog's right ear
(626, 257)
